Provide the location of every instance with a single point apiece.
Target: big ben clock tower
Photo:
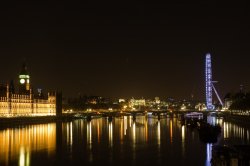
(24, 80)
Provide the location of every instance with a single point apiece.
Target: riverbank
(26, 120)
(238, 119)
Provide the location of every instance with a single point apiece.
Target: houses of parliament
(24, 102)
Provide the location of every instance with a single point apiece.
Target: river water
(146, 141)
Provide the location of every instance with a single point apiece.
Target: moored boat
(194, 115)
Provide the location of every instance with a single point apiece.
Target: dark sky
(126, 49)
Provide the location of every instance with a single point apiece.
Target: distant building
(228, 103)
(200, 106)
(157, 100)
(134, 102)
(24, 81)
(122, 100)
(25, 102)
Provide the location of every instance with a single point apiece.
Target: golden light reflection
(159, 133)
(68, 133)
(89, 134)
(171, 131)
(125, 125)
(183, 139)
(121, 129)
(18, 144)
(98, 131)
(247, 134)
(24, 157)
(183, 133)
(225, 130)
(134, 133)
(146, 130)
(134, 141)
(232, 130)
(89, 138)
(219, 122)
(130, 121)
(111, 134)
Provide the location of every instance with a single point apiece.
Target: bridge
(89, 115)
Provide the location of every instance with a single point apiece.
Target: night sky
(126, 49)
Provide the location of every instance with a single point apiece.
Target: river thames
(146, 141)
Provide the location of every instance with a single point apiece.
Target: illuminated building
(25, 102)
(122, 100)
(228, 103)
(157, 100)
(24, 81)
(139, 102)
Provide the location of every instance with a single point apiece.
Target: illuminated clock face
(22, 81)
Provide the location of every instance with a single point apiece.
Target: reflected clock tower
(24, 80)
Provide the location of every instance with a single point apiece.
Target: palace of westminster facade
(24, 102)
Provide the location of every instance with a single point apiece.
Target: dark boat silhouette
(208, 133)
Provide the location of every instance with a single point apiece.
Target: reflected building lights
(134, 141)
(111, 134)
(121, 129)
(130, 121)
(89, 134)
(168, 122)
(134, 133)
(24, 157)
(125, 125)
(69, 133)
(98, 131)
(226, 130)
(183, 139)
(159, 133)
(146, 130)
(232, 130)
(209, 155)
(183, 133)
(247, 134)
(241, 133)
(171, 131)
(17, 144)
(211, 120)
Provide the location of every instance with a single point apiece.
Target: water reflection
(159, 133)
(238, 133)
(231, 131)
(24, 158)
(123, 140)
(125, 125)
(89, 135)
(19, 143)
(209, 155)
(110, 134)
(146, 129)
(171, 131)
(69, 133)
(183, 140)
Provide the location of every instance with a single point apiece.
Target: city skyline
(127, 50)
